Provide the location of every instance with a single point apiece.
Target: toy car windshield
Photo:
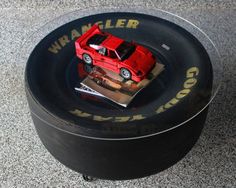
(125, 49)
(96, 39)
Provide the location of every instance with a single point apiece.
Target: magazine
(105, 83)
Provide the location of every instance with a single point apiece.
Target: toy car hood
(112, 42)
(141, 60)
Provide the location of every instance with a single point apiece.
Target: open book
(105, 83)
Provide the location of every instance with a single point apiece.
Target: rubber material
(100, 139)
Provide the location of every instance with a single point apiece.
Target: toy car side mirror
(102, 51)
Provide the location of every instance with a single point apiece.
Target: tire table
(96, 138)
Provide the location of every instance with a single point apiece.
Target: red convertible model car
(102, 49)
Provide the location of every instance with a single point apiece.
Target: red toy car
(102, 49)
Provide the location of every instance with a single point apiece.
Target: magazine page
(105, 83)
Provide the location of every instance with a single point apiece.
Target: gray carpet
(24, 162)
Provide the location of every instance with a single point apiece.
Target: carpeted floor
(24, 162)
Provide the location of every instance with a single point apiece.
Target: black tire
(125, 73)
(97, 138)
(87, 59)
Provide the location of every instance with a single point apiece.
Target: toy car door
(108, 59)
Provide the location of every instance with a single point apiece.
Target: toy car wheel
(125, 73)
(87, 59)
(88, 68)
